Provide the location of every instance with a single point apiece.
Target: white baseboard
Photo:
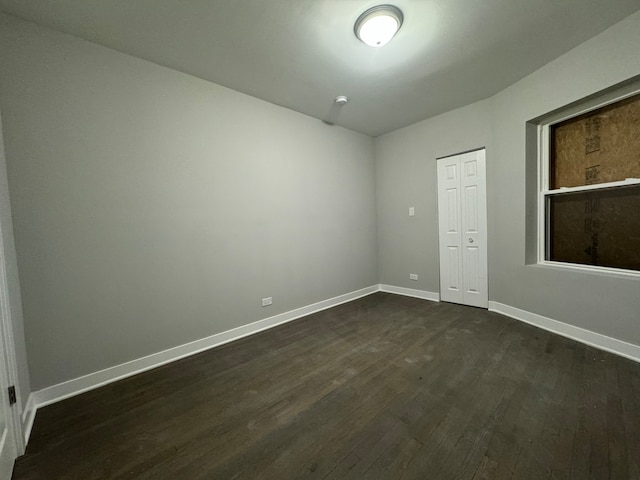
(28, 417)
(597, 340)
(76, 386)
(410, 292)
(95, 380)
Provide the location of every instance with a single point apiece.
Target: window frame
(544, 193)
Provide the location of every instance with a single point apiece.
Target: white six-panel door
(462, 222)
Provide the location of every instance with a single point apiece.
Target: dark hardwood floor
(385, 387)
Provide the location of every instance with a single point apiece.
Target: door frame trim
(7, 337)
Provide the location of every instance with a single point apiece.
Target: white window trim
(544, 193)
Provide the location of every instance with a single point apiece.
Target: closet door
(449, 227)
(462, 222)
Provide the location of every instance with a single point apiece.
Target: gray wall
(152, 208)
(405, 168)
(602, 303)
(406, 177)
(13, 281)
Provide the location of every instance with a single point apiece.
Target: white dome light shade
(378, 25)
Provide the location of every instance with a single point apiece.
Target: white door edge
(12, 438)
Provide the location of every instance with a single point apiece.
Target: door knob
(470, 240)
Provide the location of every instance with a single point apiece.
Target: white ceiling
(301, 54)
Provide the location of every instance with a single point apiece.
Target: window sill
(602, 271)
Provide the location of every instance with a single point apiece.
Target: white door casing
(8, 449)
(11, 440)
(462, 224)
(11, 444)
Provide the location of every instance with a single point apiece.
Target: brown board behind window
(599, 227)
(600, 146)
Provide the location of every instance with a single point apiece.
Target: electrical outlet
(267, 301)
(412, 211)
(413, 276)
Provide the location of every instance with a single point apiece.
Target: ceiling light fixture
(378, 25)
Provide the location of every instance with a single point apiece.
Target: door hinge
(12, 395)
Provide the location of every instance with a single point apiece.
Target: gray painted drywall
(406, 177)
(605, 304)
(23, 386)
(152, 208)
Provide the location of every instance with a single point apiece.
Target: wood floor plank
(630, 398)
(384, 387)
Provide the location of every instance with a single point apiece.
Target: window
(589, 201)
